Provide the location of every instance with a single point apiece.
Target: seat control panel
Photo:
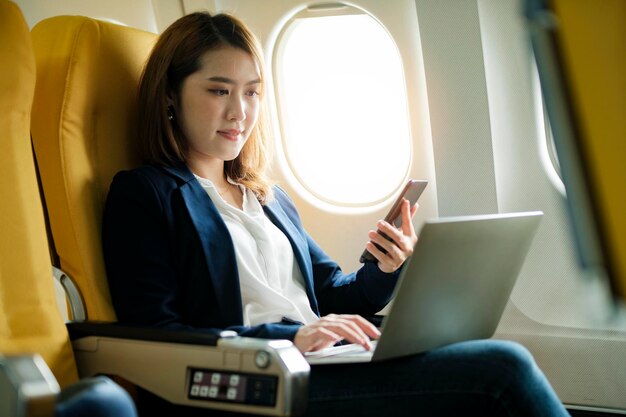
(232, 387)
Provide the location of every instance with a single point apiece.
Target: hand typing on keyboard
(333, 328)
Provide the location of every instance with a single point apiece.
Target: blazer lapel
(219, 250)
(217, 245)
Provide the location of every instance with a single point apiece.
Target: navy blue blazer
(170, 260)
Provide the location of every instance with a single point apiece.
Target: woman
(199, 240)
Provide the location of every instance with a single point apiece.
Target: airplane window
(550, 145)
(343, 108)
(547, 148)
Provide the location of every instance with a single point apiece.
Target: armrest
(78, 330)
(231, 373)
(27, 386)
(29, 389)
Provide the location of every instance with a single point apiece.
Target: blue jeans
(95, 397)
(477, 378)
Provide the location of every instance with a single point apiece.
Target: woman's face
(219, 104)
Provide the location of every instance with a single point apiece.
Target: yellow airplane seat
(83, 131)
(36, 358)
(580, 50)
(30, 318)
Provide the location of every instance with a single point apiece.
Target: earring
(170, 113)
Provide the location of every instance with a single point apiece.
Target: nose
(236, 109)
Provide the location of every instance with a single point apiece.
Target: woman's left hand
(400, 247)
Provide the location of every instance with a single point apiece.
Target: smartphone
(412, 191)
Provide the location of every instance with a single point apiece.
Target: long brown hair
(177, 55)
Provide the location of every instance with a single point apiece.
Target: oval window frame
(303, 188)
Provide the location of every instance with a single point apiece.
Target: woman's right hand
(332, 328)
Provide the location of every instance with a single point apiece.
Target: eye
(219, 92)
(253, 93)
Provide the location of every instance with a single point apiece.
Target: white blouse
(272, 286)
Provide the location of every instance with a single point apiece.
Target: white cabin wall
(167, 11)
(458, 105)
(136, 13)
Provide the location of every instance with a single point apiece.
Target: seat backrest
(30, 321)
(83, 131)
(592, 46)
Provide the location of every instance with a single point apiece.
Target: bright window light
(343, 109)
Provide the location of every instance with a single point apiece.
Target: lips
(230, 134)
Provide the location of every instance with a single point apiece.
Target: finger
(395, 235)
(348, 333)
(396, 238)
(407, 215)
(395, 254)
(395, 258)
(316, 337)
(398, 243)
(380, 240)
(324, 338)
(347, 321)
(398, 253)
(384, 262)
(391, 231)
(365, 325)
(362, 326)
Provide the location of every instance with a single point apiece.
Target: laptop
(453, 288)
